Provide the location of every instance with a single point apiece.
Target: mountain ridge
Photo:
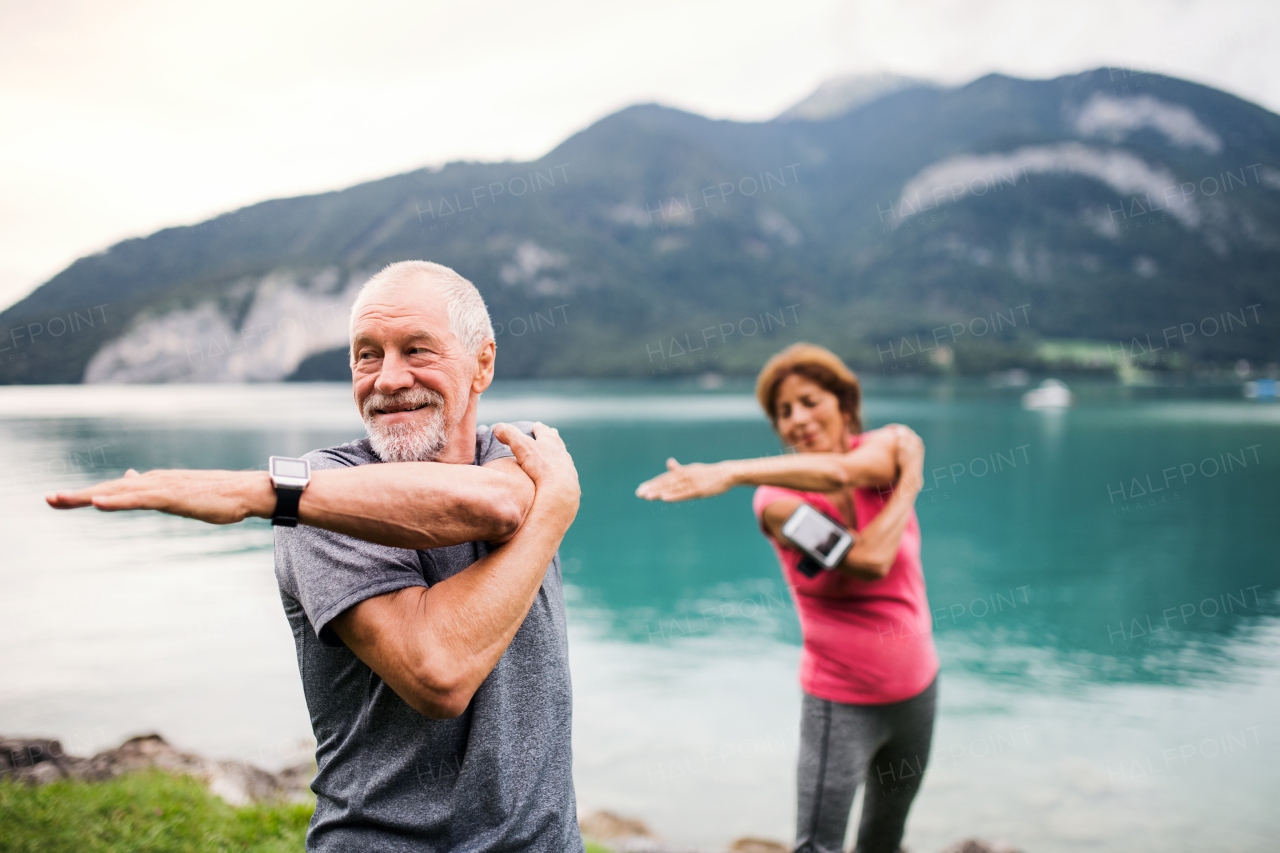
(653, 220)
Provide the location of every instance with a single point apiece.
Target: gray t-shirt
(497, 778)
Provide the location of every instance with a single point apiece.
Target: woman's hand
(688, 482)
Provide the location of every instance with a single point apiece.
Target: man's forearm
(417, 505)
(457, 629)
(472, 616)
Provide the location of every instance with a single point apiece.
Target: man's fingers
(84, 497)
(520, 444)
(542, 456)
(151, 499)
(541, 430)
(672, 464)
(105, 497)
(506, 433)
(67, 500)
(112, 503)
(115, 494)
(548, 436)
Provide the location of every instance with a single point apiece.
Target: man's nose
(394, 375)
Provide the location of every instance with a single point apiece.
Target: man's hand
(688, 482)
(548, 463)
(217, 497)
(435, 646)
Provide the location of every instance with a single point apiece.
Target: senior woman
(868, 668)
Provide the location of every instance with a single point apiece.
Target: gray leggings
(840, 746)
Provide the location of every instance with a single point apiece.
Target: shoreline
(36, 762)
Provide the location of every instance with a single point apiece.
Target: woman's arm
(871, 463)
(877, 545)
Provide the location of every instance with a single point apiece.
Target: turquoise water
(1104, 581)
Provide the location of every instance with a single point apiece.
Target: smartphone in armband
(823, 541)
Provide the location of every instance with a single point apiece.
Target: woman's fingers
(655, 488)
(682, 483)
(673, 485)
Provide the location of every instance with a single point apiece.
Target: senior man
(422, 585)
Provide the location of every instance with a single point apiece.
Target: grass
(149, 812)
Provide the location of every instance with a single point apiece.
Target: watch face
(290, 473)
(281, 467)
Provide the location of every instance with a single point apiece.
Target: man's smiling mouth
(393, 410)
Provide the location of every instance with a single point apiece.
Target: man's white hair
(468, 317)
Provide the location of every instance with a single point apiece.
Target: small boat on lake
(1051, 395)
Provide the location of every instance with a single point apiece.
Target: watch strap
(286, 512)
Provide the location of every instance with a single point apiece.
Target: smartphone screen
(817, 535)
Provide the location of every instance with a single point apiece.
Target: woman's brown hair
(819, 365)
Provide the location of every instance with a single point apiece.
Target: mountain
(983, 225)
(839, 95)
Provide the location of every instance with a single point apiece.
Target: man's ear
(485, 358)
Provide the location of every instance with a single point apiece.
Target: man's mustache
(406, 400)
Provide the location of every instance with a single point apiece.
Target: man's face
(411, 377)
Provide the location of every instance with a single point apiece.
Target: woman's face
(809, 417)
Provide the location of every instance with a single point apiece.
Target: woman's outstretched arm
(872, 463)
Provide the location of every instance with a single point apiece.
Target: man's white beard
(418, 440)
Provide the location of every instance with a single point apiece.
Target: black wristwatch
(290, 477)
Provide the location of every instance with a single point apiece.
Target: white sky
(123, 117)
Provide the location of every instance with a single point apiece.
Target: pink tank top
(865, 642)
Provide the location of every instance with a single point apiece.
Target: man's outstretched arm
(414, 505)
(434, 646)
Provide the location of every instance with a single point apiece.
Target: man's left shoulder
(489, 449)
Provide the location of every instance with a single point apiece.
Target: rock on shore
(37, 761)
(627, 835)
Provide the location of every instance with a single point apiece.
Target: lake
(1105, 583)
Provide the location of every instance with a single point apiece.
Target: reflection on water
(1105, 604)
